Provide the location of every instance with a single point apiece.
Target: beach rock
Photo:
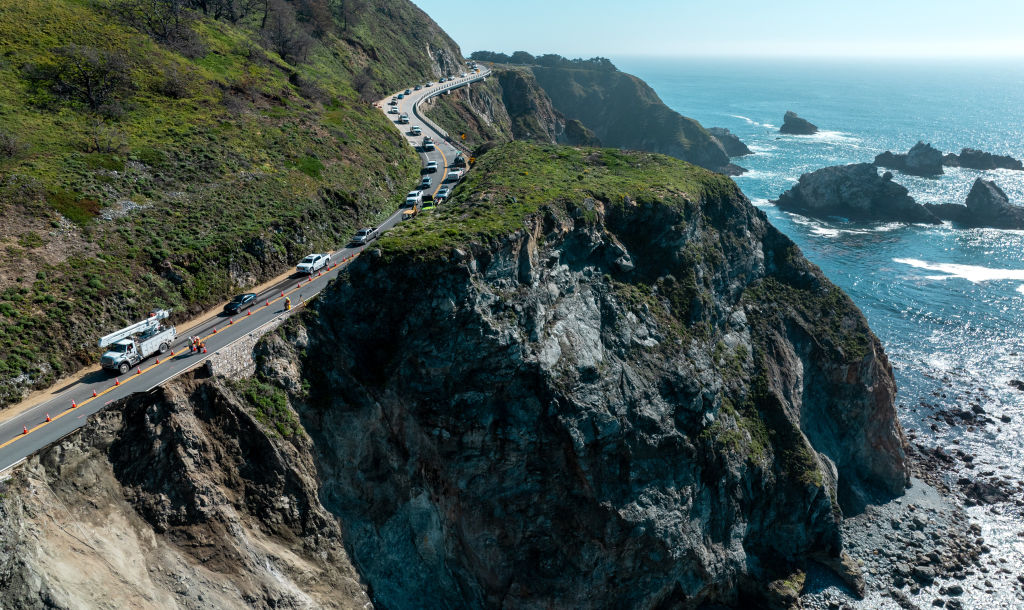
(921, 160)
(856, 192)
(734, 147)
(986, 206)
(978, 159)
(794, 125)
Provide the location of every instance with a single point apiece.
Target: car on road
(443, 80)
(403, 118)
(401, 96)
(418, 87)
(413, 199)
(415, 130)
(463, 75)
(430, 84)
(365, 235)
(408, 91)
(453, 175)
(313, 263)
(393, 110)
(425, 182)
(443, 193)
(431, 167)
(428, 144)
(240, 302)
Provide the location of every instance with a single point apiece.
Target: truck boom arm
(151, 322)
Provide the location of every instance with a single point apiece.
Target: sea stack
(794, 125)
(921, 160)
(734, 147)
(856, 192)
(979, 159)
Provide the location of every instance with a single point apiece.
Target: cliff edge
(593, 375)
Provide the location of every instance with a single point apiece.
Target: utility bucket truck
(132, 344)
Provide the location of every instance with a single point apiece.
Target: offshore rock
(734, 147)
(986, 206)
(855, 192)
(794, 125)
(977, 159)
(921, 160)
(540, 424)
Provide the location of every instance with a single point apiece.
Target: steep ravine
(594, 378)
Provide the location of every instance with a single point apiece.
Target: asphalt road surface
(38, 426)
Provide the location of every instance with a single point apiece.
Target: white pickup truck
(313, 263)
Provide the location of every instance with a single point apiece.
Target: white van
(453, 176)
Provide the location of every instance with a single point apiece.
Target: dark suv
(242, 301)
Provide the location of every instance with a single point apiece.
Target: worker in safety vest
(287, 303)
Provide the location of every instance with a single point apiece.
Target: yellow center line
(140, 371)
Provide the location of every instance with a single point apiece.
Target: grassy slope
(517, 180)
(236, 179)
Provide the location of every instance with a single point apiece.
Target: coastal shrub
(84, 76)
(10, 145)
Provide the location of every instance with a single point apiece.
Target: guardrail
(444, 134)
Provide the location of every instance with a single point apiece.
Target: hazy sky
(807, 28)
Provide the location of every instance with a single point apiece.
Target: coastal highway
(446, 146)
(25, 431)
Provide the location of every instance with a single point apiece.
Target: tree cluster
(548, 60)
(93, 78)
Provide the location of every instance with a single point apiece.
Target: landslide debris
(180, 497)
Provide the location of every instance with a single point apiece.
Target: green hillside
(153, 157)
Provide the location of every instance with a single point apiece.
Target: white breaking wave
(1020, 289)
(760, 202)
(751, 121)
(971, 273)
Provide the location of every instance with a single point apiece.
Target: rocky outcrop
(578, 134)
(977, 159)
(794, 125)
(986, 206)
(644, 398)
(921, 160)
(855, 192)
(180, 497)
(625, 112)
(734, 147)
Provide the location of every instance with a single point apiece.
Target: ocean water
(947, 303)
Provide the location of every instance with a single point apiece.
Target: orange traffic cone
(319, 273)
(248, 313)
(204, 349)
(299, 285)
(24, 429)
(73, 405)
(94, 393)
(282, 293)
(215, 331)
(172, 353)
(158, 361)
(116, 382)
(48, 417)
(268, 303)
(138, 371)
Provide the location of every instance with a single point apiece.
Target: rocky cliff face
(734, 147)
(979, 159)
(624, 112)
(177, 498)
(594, 379)
(613, 108)
(509, 106)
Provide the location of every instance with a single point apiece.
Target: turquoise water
(947, 303)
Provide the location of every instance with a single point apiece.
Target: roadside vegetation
(168, 153)
(518, 180)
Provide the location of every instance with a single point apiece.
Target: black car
(242, 301)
